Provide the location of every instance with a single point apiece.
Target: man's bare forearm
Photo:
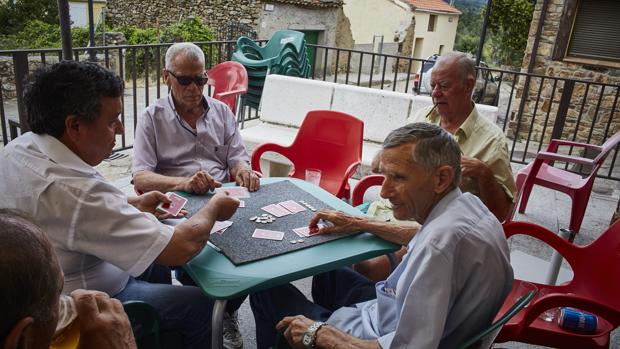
(146, 181)
(393, 232)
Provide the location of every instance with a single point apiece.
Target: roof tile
(434, 5)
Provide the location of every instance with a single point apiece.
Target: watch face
(307, 339)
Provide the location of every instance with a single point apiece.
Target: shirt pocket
(221, 153)
(387, 315)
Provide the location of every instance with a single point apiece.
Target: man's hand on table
(148, 202)
(200, 183)
(247, 178)
(224, 204)
(342, 222)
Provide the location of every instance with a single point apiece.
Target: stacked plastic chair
(284, 54)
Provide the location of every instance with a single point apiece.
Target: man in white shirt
(104, 240)
(450, 284)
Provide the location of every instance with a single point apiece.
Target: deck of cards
(235, 192)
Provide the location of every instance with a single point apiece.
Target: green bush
(190, 29)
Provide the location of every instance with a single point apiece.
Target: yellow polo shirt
(479, 138)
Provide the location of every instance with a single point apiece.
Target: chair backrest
(330, 141)
(228, 77)
(284, 39)
(592, 269)
(145, 323)
(484, 339)
(608, 146)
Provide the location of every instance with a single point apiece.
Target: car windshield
(427, 65)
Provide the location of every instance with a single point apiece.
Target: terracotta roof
(434, 5)
(311, 3)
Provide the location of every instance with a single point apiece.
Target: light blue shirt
(168, 145)
(448, 287)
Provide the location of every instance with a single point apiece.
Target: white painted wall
(377, 17)
(444, 34)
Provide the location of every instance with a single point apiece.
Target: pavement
(530, 258)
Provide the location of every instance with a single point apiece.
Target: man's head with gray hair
(186, 49)
(466, 66)
(434, 147)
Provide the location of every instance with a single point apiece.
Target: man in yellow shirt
(485, 164)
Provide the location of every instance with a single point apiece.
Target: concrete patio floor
(530, 258)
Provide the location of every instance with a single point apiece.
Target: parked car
(484, 82)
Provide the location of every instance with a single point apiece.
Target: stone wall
(588, 119)
(215, 13)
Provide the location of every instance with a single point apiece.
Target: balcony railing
(553, 107)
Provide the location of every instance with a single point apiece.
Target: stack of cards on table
(220, 227)
(235, 192)
(268, 234)
(284, 208)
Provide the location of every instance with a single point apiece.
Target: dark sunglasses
(186, 80)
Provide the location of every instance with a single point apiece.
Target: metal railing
(553, 107)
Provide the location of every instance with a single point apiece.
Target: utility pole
(91, 32)
(483, 32)
(65, 29)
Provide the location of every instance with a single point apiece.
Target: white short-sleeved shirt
(100, 239)
(167, 145)
(449, 286)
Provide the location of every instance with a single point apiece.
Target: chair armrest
(241, 58)
(233, 92)
(265, 147)
(357, 197)
(565, 248)
(566, 158)
(555, 143)
(554, 300)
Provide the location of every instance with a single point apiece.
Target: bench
(286, 101)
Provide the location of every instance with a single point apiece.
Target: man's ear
(469, 85)
(443, 178)
(72, 126)
(166, 76)
(18, 333)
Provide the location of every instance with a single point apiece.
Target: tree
(508, 28)
(468, 30)
(15, 14)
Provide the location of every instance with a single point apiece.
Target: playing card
(241, 203)
(305, 231)
(177, 202)
(235, 192)
(220, 227)
(276, 210)
(268, 234)
(292, 206)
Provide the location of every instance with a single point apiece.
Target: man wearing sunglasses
(188, 141)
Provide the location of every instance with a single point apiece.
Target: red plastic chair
(228, 79)
(357, 197)
(595, 288)
(542, 173)
(328, 140)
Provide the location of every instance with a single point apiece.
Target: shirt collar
(205, 104)
(466, 129)
(440, 207)
(59, 153)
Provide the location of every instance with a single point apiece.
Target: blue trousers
(330, 291)
(183, 309)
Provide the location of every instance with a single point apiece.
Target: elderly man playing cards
(187, 141)
(104, 240)
(449, 286)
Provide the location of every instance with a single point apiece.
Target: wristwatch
(310, 335)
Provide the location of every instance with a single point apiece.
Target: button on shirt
(100, 239)
(168, 145)
(448, 287)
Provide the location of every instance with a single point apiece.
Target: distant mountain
(465, 4)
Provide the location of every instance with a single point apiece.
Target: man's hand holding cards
(174, 207)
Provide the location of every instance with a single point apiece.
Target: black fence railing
(532, 109)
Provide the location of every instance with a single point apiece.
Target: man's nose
(386, 190)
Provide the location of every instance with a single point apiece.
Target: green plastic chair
(144, 318)
(485, 339)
